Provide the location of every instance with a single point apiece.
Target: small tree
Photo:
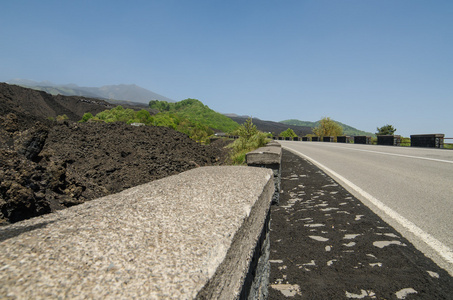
(328, 127)
(386, 130)
(247, 130)
(288, 133)
(249, 139)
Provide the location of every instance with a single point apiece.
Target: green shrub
(249, 139)
(405, 142)
(86, 117)
(62, 118)
(194, 130)
(288, 133)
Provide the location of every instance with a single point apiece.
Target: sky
(366, 63)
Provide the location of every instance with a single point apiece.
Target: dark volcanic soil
(45, 166)
(325, 244)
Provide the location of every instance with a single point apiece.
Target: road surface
(410, 188)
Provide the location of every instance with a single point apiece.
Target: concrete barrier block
(264, 156)
(428, 140)
(343, 139)
(389, 140)
(273, 144)
(362, 139)
(180, 237)
(269, 157)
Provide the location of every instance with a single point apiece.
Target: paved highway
(410, 188)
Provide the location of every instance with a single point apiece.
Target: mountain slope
(125, 92)
(196, 111)
(37, 104)
(347, 130)
(273, 127)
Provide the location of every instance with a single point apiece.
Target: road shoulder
(325, 244)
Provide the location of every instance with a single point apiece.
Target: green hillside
(347, 130)
(196, 111)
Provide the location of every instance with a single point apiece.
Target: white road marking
(400, 155)
(444, 251)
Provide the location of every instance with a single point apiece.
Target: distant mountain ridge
(122, 92)
(347, 130)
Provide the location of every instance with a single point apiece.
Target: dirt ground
(46, 166)
(325, 244)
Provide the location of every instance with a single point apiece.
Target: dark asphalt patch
(325, 244)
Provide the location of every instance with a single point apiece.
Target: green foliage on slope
(194, 130)
(347, 130)
(197, 112)
(296, 122)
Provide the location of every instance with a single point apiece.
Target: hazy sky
(365, 63)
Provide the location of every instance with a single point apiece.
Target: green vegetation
(386, 130)
(197, 112)
(62, 118)
(59, 118)
(249, 139)
(288, 133)
(328, 127)
(296, 122)
(192, 129)
(347, 130)
(405, 141)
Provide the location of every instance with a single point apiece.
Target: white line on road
(444, 251)
(401, 155)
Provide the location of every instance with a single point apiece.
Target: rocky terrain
(49, 165)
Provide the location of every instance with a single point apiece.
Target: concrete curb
(268, 157)
(191, 235)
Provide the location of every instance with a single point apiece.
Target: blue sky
(365, 63)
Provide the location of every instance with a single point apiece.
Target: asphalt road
(410, 188)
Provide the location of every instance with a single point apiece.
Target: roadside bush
(288, 133)
(249, 139)
(405, 142)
